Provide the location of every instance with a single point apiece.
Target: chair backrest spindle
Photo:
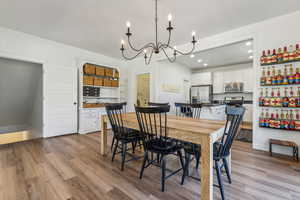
(115, 112)
(234, 119)
(153, 122)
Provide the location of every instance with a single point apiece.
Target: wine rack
(279, 99)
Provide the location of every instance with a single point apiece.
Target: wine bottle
(263, 58)
(285, 55)
(280, 56)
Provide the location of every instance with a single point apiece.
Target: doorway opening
(21, 100)
(221, 76)
(143, 89)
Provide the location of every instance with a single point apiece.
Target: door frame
(136, 77)
(9, 55)
(150, 85)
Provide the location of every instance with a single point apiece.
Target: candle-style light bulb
(169, 17)
(170, 22)
(122, 45)
(175, 48)
(193, 35)
(145, 51)
(128, 28)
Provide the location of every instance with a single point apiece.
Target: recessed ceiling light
(250, 51)
(192, 55)
(205, 64)
(199, 61)
(251, 57)
(248, 43)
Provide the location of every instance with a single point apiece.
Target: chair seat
(162, 146)
(193, 149)
(131, 135)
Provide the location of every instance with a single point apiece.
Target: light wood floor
(6, 138)
(70, 167)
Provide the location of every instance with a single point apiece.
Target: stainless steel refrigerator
(201, 94)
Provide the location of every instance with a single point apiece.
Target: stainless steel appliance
(201, 94)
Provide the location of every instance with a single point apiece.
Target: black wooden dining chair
(183, 109)
(157, 104)
(196, 110)
(122, 134)
(153, 123)
(222, 148)
(124, 104)
(191, 149)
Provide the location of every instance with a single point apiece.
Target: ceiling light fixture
(250, 51)
(192, 55)
(156, 47)
(199, 61)
(248, 43)
(205, 64)
(251, 57)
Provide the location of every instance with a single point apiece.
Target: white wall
(23, 46)
(161, 73)
(19, 82)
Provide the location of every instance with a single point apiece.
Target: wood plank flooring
(71, 168)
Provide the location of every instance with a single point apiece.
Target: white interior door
(60, 100)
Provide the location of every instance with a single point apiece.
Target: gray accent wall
(20, 94)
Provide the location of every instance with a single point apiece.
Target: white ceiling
(99, 25)
(221, 56)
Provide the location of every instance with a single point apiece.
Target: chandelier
(155, 47)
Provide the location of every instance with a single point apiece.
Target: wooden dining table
(197, 131)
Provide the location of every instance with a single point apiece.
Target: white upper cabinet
(202, 78)
(244, 75)
(218, 82)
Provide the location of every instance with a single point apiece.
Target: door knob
(75, 103)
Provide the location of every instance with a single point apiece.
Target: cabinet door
(89, 121)
(203, 78)
(218, 81)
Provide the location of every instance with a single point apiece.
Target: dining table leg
(103, 137)
(206, 169)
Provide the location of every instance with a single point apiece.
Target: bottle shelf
(281, 124)
(283, 76)
(284, 129)
(279, 63)
(281, 85)
(279, 107)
